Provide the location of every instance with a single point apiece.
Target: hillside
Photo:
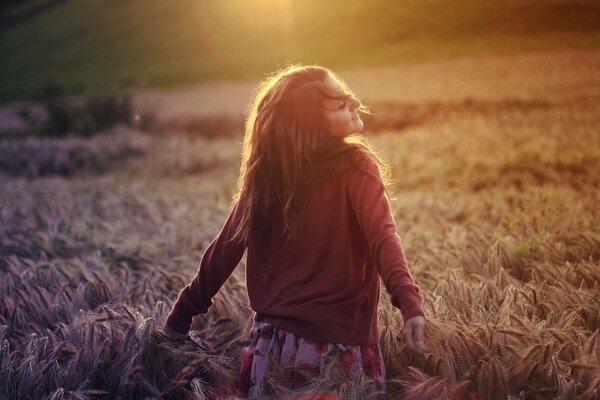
(136, 44)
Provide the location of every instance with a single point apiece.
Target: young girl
(313, 212)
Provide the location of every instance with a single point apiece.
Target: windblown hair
(287, 146)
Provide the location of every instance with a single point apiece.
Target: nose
(353, 104)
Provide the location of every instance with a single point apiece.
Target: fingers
(196, 338)
(414, 334)
(408, 335)
(419, 338)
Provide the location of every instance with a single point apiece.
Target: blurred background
(166, 50)
(121, 127)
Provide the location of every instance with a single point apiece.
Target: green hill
(91, 45)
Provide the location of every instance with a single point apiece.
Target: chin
(359, 126)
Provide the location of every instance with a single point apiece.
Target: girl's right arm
(218, 263)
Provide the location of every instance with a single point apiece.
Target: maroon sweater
(325, 285)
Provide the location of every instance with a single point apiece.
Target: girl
(313, 212)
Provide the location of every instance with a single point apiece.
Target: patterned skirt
(305, 357)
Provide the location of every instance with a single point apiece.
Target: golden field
(497, 167)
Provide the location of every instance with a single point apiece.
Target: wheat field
(496, 199)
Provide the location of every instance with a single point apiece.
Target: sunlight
(246, 23)
(280, 11)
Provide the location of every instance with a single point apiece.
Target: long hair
(287, 146)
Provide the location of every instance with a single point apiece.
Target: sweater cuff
(411, 314)
(180, 316)
(178, 321)
(408, 299)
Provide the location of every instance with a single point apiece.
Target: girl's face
(341, 113)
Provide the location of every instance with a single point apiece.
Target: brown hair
(286, 146)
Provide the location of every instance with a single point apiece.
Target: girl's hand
(172, 334)
(413, 334)
(196, 338)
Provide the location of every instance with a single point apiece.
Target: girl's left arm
(366, 192)
(218, 262)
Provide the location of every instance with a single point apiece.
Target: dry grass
(496, 202)
(33, 157)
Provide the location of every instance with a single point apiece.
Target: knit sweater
(324, 285)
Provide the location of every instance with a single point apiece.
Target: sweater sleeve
(218, 263)
(366, 194)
